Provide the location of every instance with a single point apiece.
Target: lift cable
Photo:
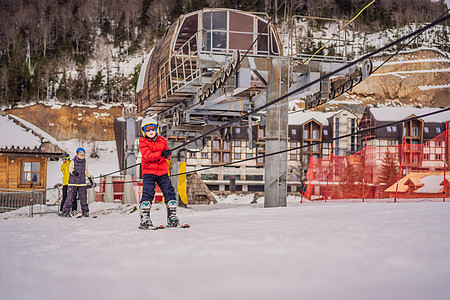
(360, 132)
(383, 63)
(324, 77)
(317, 143)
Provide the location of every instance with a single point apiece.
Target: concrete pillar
(128, 191)
(276, 139)
(91, 195)
(129, 146)
(109, 190)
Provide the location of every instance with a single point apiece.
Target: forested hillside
(46, 46)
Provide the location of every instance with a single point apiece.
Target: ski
(152, 227)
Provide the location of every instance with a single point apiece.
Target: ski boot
(144, 211)
(86, 214)
(172, 219)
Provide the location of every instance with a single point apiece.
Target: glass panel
(35, 177)
(219, 40)
(27, 166)
(241, 22)
(226, 157)
(188, 29)
(207, 20)
(36, 167)
(219, 20)
(216, 157)
(226, 145)
(26, 177)
(274, 46)
(241, 41)
(262, 27)
(216, 145)
(207, 40)
(262, 44)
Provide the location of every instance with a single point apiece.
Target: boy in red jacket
(155, 169)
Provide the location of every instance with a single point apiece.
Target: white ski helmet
(147, 121)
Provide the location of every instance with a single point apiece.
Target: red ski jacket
(152, 161)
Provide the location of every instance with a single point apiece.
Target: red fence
(376, 172)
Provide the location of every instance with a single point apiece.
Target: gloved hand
(166, 153)
(75, 173)
(91, 181)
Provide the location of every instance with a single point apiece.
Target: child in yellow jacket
(65, 171)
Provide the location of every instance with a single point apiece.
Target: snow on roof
(401, 113)
(13, 136)
(141, 79)
(432, 184)
(301, 117)
(47, 137)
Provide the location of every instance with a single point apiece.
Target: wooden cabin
(24, 152)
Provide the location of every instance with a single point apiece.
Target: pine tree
(389, 169)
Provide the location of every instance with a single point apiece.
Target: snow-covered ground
(232, 251)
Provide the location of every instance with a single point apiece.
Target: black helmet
(65, 156)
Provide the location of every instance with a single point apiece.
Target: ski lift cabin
(189, 57)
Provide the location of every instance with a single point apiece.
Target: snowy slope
(305, 251)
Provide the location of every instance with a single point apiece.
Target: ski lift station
(214, 65)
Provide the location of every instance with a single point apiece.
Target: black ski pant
(64, 197)
(163, 181)
(71, 193)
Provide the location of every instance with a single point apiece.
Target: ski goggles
(81, 153)
(149, 127)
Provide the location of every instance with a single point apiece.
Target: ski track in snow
(305, 251)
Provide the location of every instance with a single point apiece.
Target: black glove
(91, 181)
(75, 173)
(166, 153)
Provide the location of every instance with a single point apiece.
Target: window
(438, 156)
(438, 130)
(293, 156)
(216, 145)
(425, 129)
(388, 128)
(426, 157)
(293, 144)
(316, 134)
(237, 156)
(227, 177)
(394, 129)
(325, 132)
(221, 151)
(415, 131)
(237, 143)
(438, 144)
(249, 155)
(210, 176)
(305, 158)
(31, 172)
(192, 154)
(237, 130)
(315, 148)
(294, 131)
(261, 133)
(254, 177)
(306, 134)
(204, 154)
